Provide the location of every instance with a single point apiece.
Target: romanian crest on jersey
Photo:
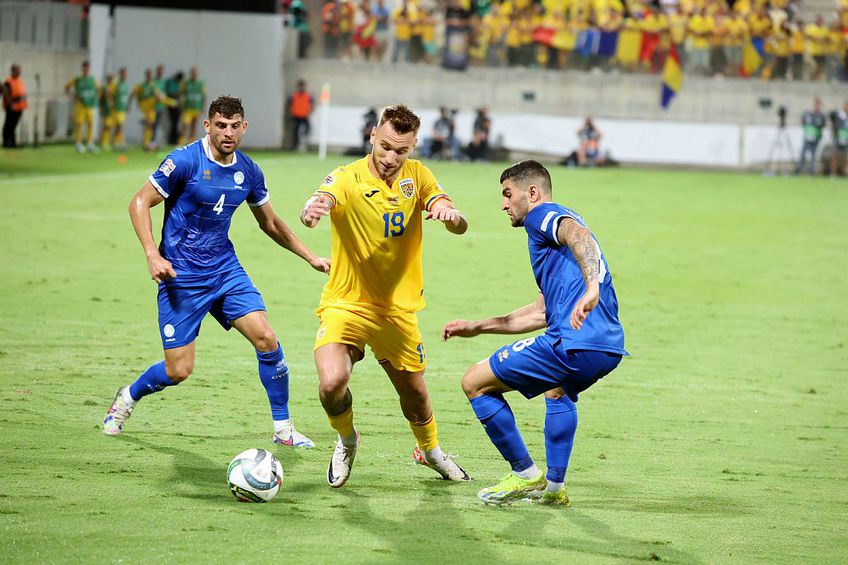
(238, 177)
(407, 187)
(167, 167)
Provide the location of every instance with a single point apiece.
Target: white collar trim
(206, 149)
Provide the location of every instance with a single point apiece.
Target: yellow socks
(427, 434)
(343, 423)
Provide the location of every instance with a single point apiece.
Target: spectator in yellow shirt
(816, 34)
(427, 26)
(797, 46)
(734, 40)
(701, 27)
(677, 24)
(493, 26)
(779, 41)
(835, 52)
(402, 20)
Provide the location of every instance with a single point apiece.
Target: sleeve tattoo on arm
(583, 247)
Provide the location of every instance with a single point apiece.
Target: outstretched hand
(316, 208)
(459, 328)
(160, 269)
(585, 305)
(444, 214)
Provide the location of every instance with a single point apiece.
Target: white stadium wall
(237, 54)
(631, 141)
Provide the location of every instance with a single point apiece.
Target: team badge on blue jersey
(238, 177)
(167, 167)
(407, 187)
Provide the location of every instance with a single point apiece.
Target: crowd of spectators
(758, 38)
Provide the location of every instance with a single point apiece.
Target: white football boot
(341, 463)
(118, 413)
(441, 463)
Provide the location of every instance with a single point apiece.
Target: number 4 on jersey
(219, 205)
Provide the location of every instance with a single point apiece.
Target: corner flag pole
(325, 121)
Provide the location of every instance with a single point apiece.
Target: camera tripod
(781, 146)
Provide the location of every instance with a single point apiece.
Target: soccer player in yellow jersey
(377, 205)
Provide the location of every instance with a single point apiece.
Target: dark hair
(227, 106)
(402, 118)
(528, 172)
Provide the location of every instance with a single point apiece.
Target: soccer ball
(254, 475)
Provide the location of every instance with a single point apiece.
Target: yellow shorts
(393, 339)
(148, 110)
(118, 118)
(190, 115)
(83, 115)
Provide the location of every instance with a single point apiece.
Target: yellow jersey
(377, 237)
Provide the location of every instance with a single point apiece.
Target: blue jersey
(561, 282)
(201, 195)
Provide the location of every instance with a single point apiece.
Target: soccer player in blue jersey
(196, 267)
(583, 339)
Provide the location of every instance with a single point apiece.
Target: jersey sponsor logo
(207, 174)
(407, 187)
(328, 180)
(168, 330)
(167, 167)
(238, 177)
(370, 194)
(321, 332)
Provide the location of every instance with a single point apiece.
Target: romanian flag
(672, 77)
(752, 56)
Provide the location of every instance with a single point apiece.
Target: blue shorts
(538, 364)
(185, 300)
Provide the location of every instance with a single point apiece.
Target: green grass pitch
(722, 439)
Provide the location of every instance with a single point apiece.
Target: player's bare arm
(315, 208)
(523, 320)
(275, 228)
(586, 253)
(444, 211)
(145, 199)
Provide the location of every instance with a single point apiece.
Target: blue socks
(498, 420)
(152, 380)
(274, 374)
(560, 426)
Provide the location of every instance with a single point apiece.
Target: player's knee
(469, 383)
(180, 371)
(266, 340)
(332, 382)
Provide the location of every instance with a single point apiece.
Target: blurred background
(707, 83)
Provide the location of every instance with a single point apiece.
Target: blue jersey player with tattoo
(583, 339)
(196, 268)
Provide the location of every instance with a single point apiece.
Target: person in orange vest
(300, 108)
(14, 102)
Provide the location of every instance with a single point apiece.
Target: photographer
(813, 122)
(371, 119)
(443, 144)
